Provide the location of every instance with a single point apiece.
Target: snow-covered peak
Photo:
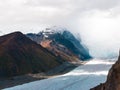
(48, 31)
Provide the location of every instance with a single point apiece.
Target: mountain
(20, 55)
(61, 43)
(113, 79)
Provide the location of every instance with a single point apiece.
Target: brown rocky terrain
(20, 55)
(113, 79)
(60, 51)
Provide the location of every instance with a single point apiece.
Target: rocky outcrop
(113, 79)
(20, 55)
(61, 43)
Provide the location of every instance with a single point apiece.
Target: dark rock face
(63, 44)
(20, 55)
(113, 79)
(68, 40)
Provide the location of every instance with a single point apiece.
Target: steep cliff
(113, 79)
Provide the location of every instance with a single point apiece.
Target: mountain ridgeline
(20, 55)
(34, 53)
(61, 43)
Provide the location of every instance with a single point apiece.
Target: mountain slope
(68, 40)
(113, 79)
(61, 43)
(20, 55)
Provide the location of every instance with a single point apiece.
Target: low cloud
(97, 21)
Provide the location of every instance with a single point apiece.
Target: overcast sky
(97, 21)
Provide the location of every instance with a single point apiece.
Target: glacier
(84, 77)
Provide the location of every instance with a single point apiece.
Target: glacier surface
(83, 77)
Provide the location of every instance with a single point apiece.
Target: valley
(83, 77)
